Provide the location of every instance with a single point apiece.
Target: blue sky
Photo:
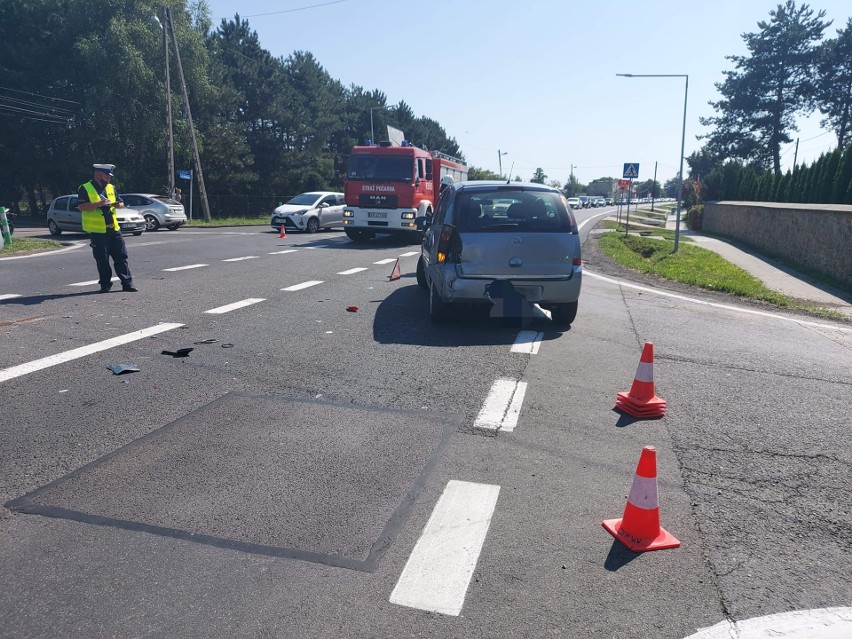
(537, 79)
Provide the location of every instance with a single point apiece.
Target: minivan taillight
(577, 262)
(449, 245)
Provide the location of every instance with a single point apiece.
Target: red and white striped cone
(639, 527)
(641, 401)
(282, 231)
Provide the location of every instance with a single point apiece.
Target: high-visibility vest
(93, 221)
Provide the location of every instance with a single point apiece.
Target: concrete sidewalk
(775, 276)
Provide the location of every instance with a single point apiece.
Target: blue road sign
(631, 171)
(186, 174)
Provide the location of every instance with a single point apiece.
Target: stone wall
(817, 236)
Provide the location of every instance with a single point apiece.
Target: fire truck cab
(387, 187)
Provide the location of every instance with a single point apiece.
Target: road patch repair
(310, 480)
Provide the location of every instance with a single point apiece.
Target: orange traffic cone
(395, 274)
(639, 527)
(641, 400)
(282, 231)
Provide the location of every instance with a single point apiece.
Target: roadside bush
(695, 217)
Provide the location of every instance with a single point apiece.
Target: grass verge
(230, 221)
(28, 246)
(698, 267)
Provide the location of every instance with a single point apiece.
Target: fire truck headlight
(348, 213)
(408, 216)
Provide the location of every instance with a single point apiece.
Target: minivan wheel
(437, 307)
(421, 275)
(313, 225)
(151, 223)
(564, 314)
(54, 228)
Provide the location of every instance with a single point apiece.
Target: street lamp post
(682, 138)
(500, 160)
(571, 180)
(372, 134)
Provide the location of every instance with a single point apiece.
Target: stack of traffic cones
(282, 231)
(639, 527)
(641, 401)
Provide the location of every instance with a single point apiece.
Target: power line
(46, 97)
(313, 6)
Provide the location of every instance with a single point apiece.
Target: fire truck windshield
(381, 168)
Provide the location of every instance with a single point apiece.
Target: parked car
(158, 210)
(476, 243)
(310, 212)
(63, 215)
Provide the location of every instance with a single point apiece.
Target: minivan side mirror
(422, 223)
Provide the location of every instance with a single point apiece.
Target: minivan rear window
(503, 211)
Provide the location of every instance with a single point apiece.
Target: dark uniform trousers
(110, 245)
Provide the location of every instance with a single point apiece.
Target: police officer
(98, 203)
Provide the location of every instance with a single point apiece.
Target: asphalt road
(316, 472)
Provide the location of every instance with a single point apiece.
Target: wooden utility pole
(205, 207)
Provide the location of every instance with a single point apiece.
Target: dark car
(518, 239)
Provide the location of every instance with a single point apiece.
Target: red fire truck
(387, 187)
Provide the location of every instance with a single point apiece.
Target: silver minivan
(489, 241)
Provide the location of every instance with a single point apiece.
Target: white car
(310, 212)
(574, 203)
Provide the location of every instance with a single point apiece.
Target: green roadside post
(4, 223)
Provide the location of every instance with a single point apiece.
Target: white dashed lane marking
(8, 296)
(352, 271)
(283, 252)
(184, 268)
(387, 261)
(91, 282)
(410, 253)
(299, 287)
(240, 259)
(60, 358)
(502, 406)
(438, 572)
(232, 307)
(527, 342)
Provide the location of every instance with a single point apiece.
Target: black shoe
(130, 289)
(105, 289)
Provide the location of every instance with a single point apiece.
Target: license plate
(377, 214)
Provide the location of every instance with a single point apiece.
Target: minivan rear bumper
(553, 290)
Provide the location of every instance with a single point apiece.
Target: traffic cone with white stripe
(641, 400)
(282, 231)
(639, 527)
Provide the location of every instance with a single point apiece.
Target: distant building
(604, 187)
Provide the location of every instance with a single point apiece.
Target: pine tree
(765, 92)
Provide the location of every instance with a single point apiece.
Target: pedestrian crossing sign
(631, 171)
